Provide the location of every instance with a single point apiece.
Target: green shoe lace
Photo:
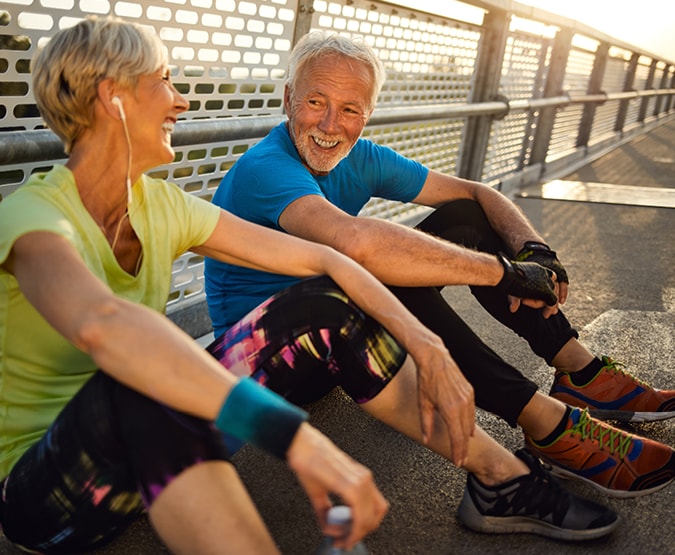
(616, 441)
(619, 368)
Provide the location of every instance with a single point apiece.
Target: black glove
(542, 254)
(527, 280)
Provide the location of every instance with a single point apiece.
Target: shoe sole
(472, 519)
(630, 416)
(620, 494)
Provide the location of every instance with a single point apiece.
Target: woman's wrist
(256, 415)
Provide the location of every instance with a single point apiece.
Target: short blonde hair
(69, 68)
(317, 44)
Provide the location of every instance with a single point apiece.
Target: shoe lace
(616, 441)
(617, 367)
(543, 495)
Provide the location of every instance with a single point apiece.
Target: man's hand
(323, 469)
(442, 388)
(528, 280)
(541, 253)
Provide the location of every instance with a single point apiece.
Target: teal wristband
(256, 415)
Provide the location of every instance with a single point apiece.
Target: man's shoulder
(269, 151)
(367, 148)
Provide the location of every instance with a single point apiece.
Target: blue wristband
(256, 415)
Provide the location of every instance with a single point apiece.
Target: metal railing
(507, 95)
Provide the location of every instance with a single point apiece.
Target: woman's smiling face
(152, 110)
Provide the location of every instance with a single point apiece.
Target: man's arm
(395, 254)
(402, 256)
(504, 216)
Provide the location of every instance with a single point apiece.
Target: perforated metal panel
(428, 59)
(605, 114)
(226, 54)
(524, 71)
(662, 72)
(578, 71)
(566, 128)
(639, 84)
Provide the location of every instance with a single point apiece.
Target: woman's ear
(107, 91)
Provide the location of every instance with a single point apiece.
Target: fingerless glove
(541, 253)
(527, 280)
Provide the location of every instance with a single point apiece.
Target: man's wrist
(533, 247)
(507, 269)
(536, 245)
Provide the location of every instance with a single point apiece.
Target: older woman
(86, 253)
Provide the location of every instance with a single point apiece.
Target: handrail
(436, 111)
(524, 105)
(587, 98)
(20, 147)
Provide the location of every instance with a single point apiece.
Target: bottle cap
(340, 514)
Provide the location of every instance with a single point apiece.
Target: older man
(311, 176)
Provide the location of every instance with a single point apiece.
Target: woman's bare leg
(206, 510)
(397, 406)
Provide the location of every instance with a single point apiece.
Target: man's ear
(287, 98)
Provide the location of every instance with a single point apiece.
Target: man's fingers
(563, 292)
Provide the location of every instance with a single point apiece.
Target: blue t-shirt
(269, 177)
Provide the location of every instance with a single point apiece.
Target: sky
(647, 24)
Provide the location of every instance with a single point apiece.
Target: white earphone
(117, 101)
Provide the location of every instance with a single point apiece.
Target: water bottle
(340, 515)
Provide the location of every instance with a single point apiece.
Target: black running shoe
(535, 503)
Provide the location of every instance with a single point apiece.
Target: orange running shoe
(615, 462)
(614, 394)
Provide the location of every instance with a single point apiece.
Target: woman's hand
(323, 469)
(442, 388)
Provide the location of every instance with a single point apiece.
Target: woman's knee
(161, 443)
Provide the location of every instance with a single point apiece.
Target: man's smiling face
(328, 110)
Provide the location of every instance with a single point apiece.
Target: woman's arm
(114, 332)
(147, 352)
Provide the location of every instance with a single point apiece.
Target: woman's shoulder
(50, 188)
